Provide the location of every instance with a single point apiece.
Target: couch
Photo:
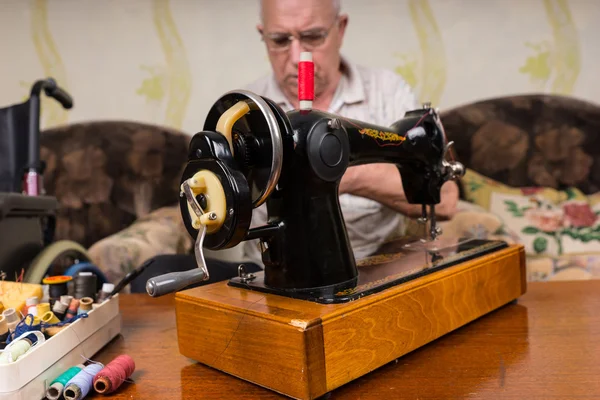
(533, 177)
(117, 184)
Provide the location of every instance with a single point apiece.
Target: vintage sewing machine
(316, 318)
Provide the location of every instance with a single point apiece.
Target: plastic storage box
(30, 375)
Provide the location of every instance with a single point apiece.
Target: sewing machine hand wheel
(242, 146)
(252, 126)
(234, 165)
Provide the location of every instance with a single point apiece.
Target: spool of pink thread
(114, 374)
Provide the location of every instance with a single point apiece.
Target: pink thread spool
(306, 81)
(73, 307)
(114, 374)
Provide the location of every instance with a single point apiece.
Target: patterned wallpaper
(426, 71)
(167, 61)
(170, 83)
(555, 63)
(49, 59)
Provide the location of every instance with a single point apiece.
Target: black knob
(331, 150)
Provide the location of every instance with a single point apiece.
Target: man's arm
(382, 183)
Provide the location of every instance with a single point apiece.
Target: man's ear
(342, 24)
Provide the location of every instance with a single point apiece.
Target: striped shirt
(371, 95)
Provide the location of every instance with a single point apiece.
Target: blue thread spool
(80, 385)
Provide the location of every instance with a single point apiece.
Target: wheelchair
(27, 215)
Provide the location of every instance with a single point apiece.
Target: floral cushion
(560, 229)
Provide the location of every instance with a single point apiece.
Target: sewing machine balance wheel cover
(238, 214)
(206, 183)
(264, 126)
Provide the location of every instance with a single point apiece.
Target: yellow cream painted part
(229, 118)
(207, 183)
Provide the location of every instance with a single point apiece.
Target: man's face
(321, 32)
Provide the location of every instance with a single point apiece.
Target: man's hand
(382, 183)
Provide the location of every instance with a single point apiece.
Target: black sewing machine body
(304, 246)
(316, 318)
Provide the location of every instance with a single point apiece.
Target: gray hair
(337, 7)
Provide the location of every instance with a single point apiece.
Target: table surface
(545, 346)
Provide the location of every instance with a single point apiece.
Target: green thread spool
(57, 386)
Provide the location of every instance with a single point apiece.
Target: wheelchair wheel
(44, 260)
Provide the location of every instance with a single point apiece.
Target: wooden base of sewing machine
(304, 349)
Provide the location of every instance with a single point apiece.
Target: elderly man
(371, 196)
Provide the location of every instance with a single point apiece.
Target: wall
(167, 61)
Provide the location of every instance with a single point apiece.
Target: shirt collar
(350, 89)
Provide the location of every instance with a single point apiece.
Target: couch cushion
(106, 174)
(158, 233)
(560, 229)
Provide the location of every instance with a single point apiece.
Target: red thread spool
(114, 374)
(306, 81)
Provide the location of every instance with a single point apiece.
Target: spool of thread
(43, 308)
(45, 294)
(306, 80)
(1, 307)
(114, 374)
(32, 310)
(85, 305)
(66, 300)
(85, 285)
(50, 318)
(107, 289)
(3, 331)
(30, 302)
(16, 350)
(3, 325)
(57, 286)
(59, 309)
(73, 307)
(56, 386)
(53, 330)
(80, 385)
(12, 318)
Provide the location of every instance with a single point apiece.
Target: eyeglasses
(310, 39)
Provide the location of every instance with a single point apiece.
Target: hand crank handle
(174, 281)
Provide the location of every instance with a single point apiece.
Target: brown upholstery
(107, 174)
(530, 140)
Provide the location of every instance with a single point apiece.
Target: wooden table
(546, 346)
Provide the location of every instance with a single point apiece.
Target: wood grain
(368, 336)
(543, 347)
(265, 338)
(264, 351)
